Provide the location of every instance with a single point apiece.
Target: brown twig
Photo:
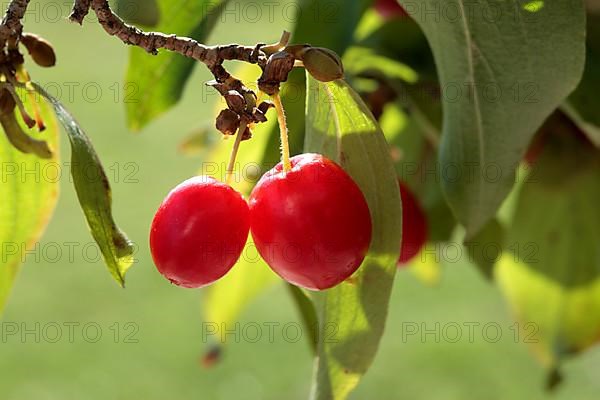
(11, 27)
(79, 11)
(212, 56)
(273, 60)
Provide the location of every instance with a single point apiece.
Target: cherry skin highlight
(311, 224)
(199, 232)
(414, 226)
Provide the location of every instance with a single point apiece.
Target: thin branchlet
(153, 41)
(79, 11)
(272, 59)
(11, 26)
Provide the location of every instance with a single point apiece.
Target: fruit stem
(283, 131)
(234, 151)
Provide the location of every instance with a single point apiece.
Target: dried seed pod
(40, 50)
(323, 64)
(20, 140)
(228, 122)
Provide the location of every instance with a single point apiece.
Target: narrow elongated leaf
(500, 81)
(158, 81)
(28, 194)
(340, 126)
(93, 192)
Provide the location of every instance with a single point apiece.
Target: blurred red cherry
(390, 9)
(414, 226)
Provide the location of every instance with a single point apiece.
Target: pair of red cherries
(310, 224)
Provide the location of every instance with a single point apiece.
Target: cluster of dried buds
(13, 76)
(323, 64)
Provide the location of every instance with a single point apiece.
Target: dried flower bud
(40, 50)
(265, 105)
(258, 116)
(276, 71)
(247, 133)
(250, 99)
(323, 64)
(22, 141)
(235, 101)
(228, 122)
(7, 102)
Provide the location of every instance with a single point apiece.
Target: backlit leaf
(28, 194)
(339, 125)
(94, 194)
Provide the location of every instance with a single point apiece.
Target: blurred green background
(162, 358)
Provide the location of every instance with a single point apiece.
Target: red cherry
(199, 232)
(311, 224)
(414, 225)
(390, 9)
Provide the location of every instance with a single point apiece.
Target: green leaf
(499, 81)
(93, 192)
(329, 24)
(198, 142)
(340, 126)
(159, 80)
(308, 314)
(142, 12)
(359, 60)
(27, 199)
(485, 248)
(226, 299)
(582, 104)
(550, 270)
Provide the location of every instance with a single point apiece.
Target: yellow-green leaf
(28, 194)
(340, 126)
(550, 271)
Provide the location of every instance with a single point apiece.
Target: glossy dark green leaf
(340, 126)
(159, 80)
(500, 80)
(94, 194)
(27, 198)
